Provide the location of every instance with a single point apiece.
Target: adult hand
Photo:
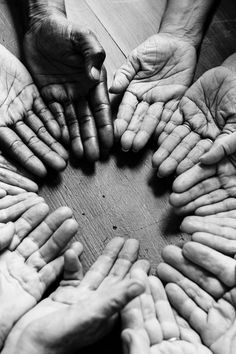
(11, 181)
(215, 231)
(154, 78)
(206, 190)
(66, 62)
(28, 270)
(206, 113)
(84, 307)
(23, 115)
(151, 326)
(213, 319)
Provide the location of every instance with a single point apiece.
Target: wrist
(38, 10)
(185, 19)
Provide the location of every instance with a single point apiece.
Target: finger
(11, 142)
(186, 332)
(171, 275)
(55, 244)
(7, 233)
(169, 144)
(86, 43)
(223, 146)
(148, 126)
(134, 125)
(163, 310)
(216, 242)
(125, 73)
(50, 272)
(142, 264)
(14, 199)
(193, 176)
(215, 226)
(181, 199)
(186, 307)
(43, 232)
(171, 118)
(3, 192)
(101, 109)
(125, 113)
(170, 165)
(46, 117)
(39, 148)
(13, 212)
(132, 314)
(223, 267)
(126, 257)
(225, 205)
(133, 343)
(88, 131)
(205, 201)
(7, 189)
(194, 156)
(15, 182)
(27, 222)
(41, 132)
(101, 268)
(174, 257)
(58, 112)
(73, 269)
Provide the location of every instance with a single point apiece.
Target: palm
(149, 323)
(88, 303)
(23, 112)
(211, 312)
(156, 76)
(206, 111)
(66, 61)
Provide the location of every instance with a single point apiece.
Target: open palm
(211, 315)
(206, 113)
(23, 114)
(149, 323)
(31, 266)
(155, 77)
(66, 62)
(84, 307)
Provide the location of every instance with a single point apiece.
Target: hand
(149, 323)
(213, 319)
(12, 207)
(23, 114)
(66, 62)
(206, 113)
(215, 231)
(206, 190)
(155, 76)
(28, 270)
(11, 181)
(84, 308)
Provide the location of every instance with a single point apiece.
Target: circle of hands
(189, 307)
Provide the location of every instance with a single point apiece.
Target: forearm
(36, 10)
(186, 19)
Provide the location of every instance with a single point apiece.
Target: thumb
(115, 298)
(224, 145)
(125, 74)
(94, 55)
(133, 343)
(7, 233)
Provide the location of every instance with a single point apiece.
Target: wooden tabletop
(121, 196)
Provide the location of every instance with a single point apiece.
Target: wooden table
(121, 196)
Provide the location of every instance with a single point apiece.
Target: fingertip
(3, 193)
(127, 140)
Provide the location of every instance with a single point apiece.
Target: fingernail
(95, 73)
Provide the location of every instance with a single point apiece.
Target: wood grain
(122, 196)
